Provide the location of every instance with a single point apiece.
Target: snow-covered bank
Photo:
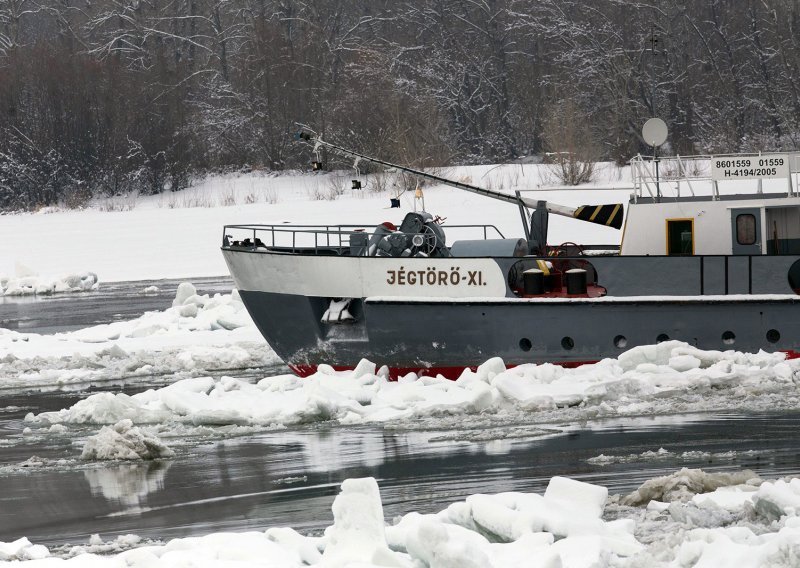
(178, 235)
(707, 520)
(668, 377)
(197, 335)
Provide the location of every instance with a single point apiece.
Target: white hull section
(360, 277)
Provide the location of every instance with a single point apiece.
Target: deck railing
(324, 239)
(692, 176)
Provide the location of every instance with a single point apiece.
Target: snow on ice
(27, 282)
(124, 441)
(198, 334)
(662, 454)
(718, 520)
(685, 485)
(643, 380)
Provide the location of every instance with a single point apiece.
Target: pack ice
(563, 527)
(29, 283)
(643, 380)
(199, 333)
(713, 520)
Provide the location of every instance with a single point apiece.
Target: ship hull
(719, 272)
(441, 336)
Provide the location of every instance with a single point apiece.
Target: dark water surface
(290, 477)
(114, 301)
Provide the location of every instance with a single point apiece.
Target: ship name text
(434, 277)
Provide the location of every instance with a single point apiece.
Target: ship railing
(325, 239)
(671, 176)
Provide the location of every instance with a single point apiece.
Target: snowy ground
(178, 235)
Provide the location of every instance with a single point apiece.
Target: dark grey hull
(407, 319)
(445, 336)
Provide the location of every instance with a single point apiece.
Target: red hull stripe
(452, 372)
(395, 372)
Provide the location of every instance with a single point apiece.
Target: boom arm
(609, 215)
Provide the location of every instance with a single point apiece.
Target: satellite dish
(654, 132)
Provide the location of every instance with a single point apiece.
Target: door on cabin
(746, 229)
(680, 237)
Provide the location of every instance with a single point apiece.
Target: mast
(609, 215)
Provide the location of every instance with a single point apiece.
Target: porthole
(773, 336)
(728, 338)
(568, 343)
(620, 342)
(662, 337)
(525, 344)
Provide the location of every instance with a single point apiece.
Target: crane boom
(609, 215)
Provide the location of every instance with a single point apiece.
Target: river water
(290, 477)
(114, 301)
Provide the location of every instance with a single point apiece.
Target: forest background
(108, 97)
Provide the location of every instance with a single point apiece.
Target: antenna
(655, 134)
(653, 46)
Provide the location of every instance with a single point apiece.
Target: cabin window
(680, 236)
(746, 229)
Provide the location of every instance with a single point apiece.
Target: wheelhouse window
(746, 229)
(680, 237)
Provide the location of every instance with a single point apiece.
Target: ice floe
(736, 520)
(27, 282)
(22, 549)
(685, 484)
(662, 454)
(200, 333)
(124, 441)
(641, 381)
(563, 527)
(96, 545)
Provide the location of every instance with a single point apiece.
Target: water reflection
(290, 478)
(498, 447)
(127, 484)
(312, 451)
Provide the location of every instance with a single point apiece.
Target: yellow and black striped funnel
(609, 215)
